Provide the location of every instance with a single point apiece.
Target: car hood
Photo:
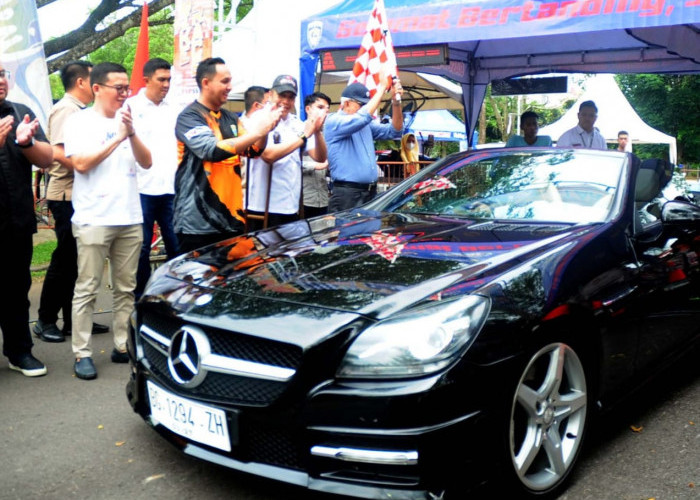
(370, 264)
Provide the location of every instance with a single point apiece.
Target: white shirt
(286, 172)
(156, 126)
(107, 195)
(579, 138)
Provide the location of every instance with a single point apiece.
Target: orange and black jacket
(208, 192)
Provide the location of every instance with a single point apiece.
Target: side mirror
(681, 212)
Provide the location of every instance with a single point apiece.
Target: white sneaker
(29, 366)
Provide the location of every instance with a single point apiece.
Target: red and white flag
(376, 51)
(388, 246)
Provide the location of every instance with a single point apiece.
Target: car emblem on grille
(188, 347)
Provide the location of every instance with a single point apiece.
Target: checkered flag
(376, 51)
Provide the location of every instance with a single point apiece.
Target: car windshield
(554, 186)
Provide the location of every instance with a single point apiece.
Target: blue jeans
(155, 209)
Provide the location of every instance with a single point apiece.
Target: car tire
(547, 421)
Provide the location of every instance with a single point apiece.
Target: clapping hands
(314, 121)
(5, 128)
(126, 126)
(263, 121)
(26, 130)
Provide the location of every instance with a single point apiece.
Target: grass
(42, 257)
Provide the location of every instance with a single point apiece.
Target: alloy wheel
(548, 417)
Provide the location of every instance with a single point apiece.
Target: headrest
(652, 178)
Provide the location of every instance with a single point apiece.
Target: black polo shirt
(16, 195)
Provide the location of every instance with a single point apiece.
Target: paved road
(61, 437)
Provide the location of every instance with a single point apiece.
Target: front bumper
(363, 440)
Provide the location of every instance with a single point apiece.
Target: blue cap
(357, 92)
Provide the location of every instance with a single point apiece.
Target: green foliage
(123, 49)
(57, 90)
(41, 257)
(670, 104)
(502, 112)
(243, 8)
(42, 253)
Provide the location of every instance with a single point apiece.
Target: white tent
(615, 113)
(266, 43)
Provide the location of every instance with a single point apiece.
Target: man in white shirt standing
(275, 195)
(155, 118)
(584, 135)
(105, 150)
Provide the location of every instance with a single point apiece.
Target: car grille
(267, 444)
(222, 387)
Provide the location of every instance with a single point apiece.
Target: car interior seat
(653, 176)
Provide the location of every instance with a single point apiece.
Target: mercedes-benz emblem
(188, 347)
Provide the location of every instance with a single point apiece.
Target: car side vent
(530, 228)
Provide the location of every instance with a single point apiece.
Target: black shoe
(119, 357)
(85, 369)
(98, 328)
(28, 365)
(48, 332)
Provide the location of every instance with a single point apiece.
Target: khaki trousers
(122, 245)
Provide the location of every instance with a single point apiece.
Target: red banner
(141, 56)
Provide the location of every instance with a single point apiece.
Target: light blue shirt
(517, 141)
(350, 143)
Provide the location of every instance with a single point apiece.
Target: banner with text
(22, 53)
(193, 32)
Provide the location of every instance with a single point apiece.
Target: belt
(355, 185)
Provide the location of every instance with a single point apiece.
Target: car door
(668, 278)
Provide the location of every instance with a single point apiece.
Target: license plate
(202, 423)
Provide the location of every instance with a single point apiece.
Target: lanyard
(583, 140)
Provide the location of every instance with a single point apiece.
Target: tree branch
(85, 39)
(41, 3)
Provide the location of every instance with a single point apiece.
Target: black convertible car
(465, 325)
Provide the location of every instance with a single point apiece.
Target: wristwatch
(303, 137)
(28, 145)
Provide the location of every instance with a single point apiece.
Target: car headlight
(418, 342)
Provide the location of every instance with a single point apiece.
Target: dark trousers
(310, 212)
(272, 219)
(57, 290)
(345, 198)
(16, 253)
(155, 209)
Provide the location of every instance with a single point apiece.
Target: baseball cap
(357, 92)
(285, 83)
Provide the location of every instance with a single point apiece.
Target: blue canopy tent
(439, 123)
(494, 39)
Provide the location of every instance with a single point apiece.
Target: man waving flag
(376, 51)
(351, 131)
